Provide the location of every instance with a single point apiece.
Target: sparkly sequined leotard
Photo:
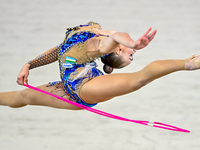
(76, 61)
(76, 57)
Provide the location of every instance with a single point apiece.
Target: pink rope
(152, 124)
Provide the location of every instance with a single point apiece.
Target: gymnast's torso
(76, 58)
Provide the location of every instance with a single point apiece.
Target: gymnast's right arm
(109, 44)
(43, 59)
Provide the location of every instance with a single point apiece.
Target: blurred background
(28, 28)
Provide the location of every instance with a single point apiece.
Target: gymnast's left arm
(43, 59)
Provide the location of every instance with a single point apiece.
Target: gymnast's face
(126, 54)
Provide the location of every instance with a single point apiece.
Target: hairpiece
(104, 56)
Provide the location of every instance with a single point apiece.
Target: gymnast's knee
(22, 98)
(28, 96)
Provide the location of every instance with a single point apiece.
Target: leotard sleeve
(46, 58)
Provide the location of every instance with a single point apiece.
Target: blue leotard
(73, 51)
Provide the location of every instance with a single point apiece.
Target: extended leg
(25, 97)
(105, 87)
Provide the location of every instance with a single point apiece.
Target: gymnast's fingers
(25, 81)
(152, 34)
(20, 80)
(147, 32)
(151, 38)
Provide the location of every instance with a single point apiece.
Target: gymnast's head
(120, 58)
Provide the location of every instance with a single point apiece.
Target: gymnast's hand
(144, 40)
(22, 78)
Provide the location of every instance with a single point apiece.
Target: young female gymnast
(81, 81)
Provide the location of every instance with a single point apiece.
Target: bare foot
(193, 63)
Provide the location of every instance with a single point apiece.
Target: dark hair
(111, 61)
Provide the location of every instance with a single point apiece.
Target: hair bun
(107, 69)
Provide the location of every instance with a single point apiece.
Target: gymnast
(81, 81)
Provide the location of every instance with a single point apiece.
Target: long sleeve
(45, 58)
